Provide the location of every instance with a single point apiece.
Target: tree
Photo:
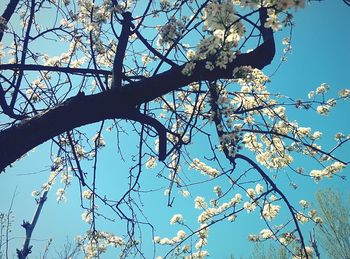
(271, 252)
(334, 232)
(178, 73)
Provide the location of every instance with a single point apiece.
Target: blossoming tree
(184, 75)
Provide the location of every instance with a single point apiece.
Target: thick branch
(159, 127)
(119, 102)
(121, 48)
(6, 108)
(10, 9)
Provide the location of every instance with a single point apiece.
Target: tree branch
(6, 108)
(153, 50)
(10, 9)
(120, 54)
(29, 227)
(159, 127)
(285, 199)
(119, 102)
(69, 70)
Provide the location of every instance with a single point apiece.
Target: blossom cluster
(186, 251)
(225, 29)
(220, 18)
(99, 141)
(170, 32)
(204, 168)
(58, 168)
(166, 241)
(210, 212)
(328, 171)
(151, 163)
(95, 243)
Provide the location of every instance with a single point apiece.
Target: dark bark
(10, 9)
(29, 228)
(121, 48)
(119, 102)
(68, 70)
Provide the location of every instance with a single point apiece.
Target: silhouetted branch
(118, 102)
(121, 48)
(10, 9)
(29, 228)
(69, 70)
(159, 127)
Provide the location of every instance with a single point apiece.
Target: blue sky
(321, 40)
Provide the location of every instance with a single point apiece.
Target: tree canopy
(334, 231)
(183, 83)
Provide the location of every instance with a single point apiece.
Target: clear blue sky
(321, 53)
